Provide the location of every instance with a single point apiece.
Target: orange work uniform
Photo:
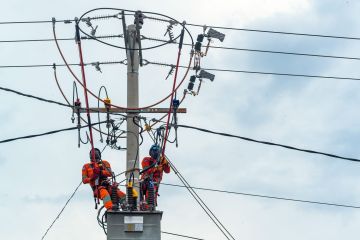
(154, 173)
(102, 188)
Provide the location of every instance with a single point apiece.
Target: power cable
(264, 51)
(276, 32)
(35, 22)
(110, 104)
(198, 199)
(187, 44)
(261, 73)
(59, 39)
(202, 26)
(266, 196)
(202, 204)
(35, 97)
(270, 143)
(46, 133)
(63, 65)
(62, 210)
(180, 235)
(169, 65)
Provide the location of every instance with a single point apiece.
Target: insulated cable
(270, 143)
(187, 44)
(261, 73)
(61, 211)
(266, 196)
(35, 97)
(44, 134)
(197, 198)
(173, 89)
(59, 39)
(276, 32)
(94, 95)
(132, 11)
(265, 51)
(181, 235)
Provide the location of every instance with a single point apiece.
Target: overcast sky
(38, 175)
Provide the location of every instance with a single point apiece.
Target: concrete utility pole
(132, 136)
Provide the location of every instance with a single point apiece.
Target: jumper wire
(173, 90)
(78, 42)
(101, 100)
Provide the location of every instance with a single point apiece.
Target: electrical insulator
(139, 18)
(198, 46)
(200, 38)
(192, 82)
(190, 86)
(176, 103)
(212, 33)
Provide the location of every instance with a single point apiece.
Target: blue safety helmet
(154, 151)
(97, 154)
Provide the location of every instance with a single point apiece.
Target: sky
(39, 174)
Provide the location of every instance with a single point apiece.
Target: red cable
(172, 93)
(115, 106)
(78, 41)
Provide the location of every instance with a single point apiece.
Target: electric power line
(60, 39)
(183, 236)
(265, 51)
(199, 25)
(262, 73)
(270, 143)
(34, 97)
(268, 197)
(277, 32)
(184, 126)
(47, 133)
(61, 211)
(215, 47)
(63, 65)
(208, 69)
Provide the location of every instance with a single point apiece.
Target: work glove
(159, 168)
(163, 161)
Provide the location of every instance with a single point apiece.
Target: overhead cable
(61, 211)
(186, 67)
(34, 97)
(261, 73)
(46, 133)
(277, 32)
(270, 143)
(187, 44)
(265, 51)
(266, 196)
(201, 203)
(181, 235)
(63, 65)
(198, 199)
(202, 26)
(59, 39)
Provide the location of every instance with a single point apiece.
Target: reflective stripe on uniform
(106, 199)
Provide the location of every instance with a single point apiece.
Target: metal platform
(125, 225)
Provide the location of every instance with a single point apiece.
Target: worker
(153, 168)
(96, 173)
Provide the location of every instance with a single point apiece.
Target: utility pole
(132, 223)
(132, 136)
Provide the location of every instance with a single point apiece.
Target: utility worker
(153, 167)
(96, 173)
